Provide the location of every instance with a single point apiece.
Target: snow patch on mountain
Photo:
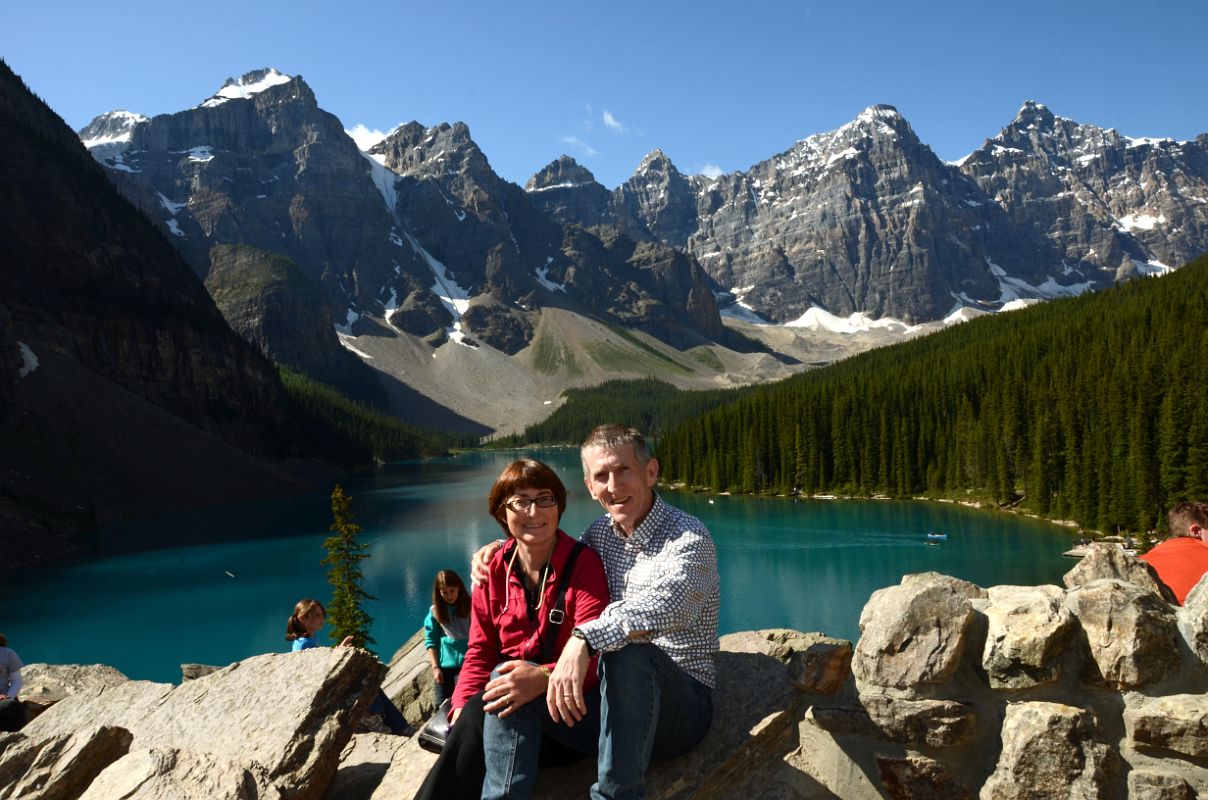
(383, 179)
(542, 274)
(250, 84)
(29, 361)
(112, 128)
(452, 297)
(346, 341)
(819, 319)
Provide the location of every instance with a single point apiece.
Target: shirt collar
(644, 531)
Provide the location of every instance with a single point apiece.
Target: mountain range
(452, 288)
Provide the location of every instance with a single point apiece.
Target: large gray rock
(916, 777)
(1131, 633)
(60, 767)
(1176, 722)
(408, 681)
(159, 774)
(47, 684)
(288, 714)
(363, 765)
(1049, 751)
(1106, 560)
(1144, 784)
(914, 633)
(1029, 628)
(820, 664)
(1194, 619)
(53, 682)
(935, 723)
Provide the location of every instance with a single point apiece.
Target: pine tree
(345, 616)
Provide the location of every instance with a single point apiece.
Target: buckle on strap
(556, 615)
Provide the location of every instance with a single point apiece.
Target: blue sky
(717, 86)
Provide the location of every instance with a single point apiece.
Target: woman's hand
(437, 675)
(564, 697)
(480, 563)
(518, 683)
(453, 717)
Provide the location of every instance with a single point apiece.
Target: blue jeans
(512, 744)
(649, 709)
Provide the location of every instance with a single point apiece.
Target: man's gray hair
(613, 437)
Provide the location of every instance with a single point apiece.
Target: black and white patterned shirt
(663, 579)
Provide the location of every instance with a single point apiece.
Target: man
(1182, 559)
(658, 635)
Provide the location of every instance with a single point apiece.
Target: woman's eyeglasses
(523, 504)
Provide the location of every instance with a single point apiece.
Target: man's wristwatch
(579, 634)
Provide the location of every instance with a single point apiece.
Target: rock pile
(1095, 690)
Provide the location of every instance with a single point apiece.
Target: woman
(447, 631)
(542, 584)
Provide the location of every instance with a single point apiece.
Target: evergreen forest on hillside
(1092, 409)
(647, 404)
(346, 432)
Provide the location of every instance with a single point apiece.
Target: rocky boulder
(47, 684)
(1028, 628)
(279, 721)
(1106, 560)
(1049, 750)
(914, 633)
(1194, 619)
(1178, 723)
(1130, 633)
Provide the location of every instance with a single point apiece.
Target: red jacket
(1180, 563)
(500, 629)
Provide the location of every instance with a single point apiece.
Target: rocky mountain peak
(249, 84)
(656, 161)
(1033, 114)
(110, 128)
(562, 173)
(438, 151)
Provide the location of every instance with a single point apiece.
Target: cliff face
(1102, 198)
(95, 297)
(269, 301)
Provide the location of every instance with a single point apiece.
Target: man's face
(621, 484)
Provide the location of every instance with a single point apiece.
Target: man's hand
(480, 564)
(564, 697)
(346, 643)
(437, 675)
(518, 683)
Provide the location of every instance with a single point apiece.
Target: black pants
(12, 717)
(460, 768)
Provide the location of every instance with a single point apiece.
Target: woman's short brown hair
(524, 473)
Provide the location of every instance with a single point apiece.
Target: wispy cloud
(711, 171)
(612, 123)
(576, 143)
(364, 137)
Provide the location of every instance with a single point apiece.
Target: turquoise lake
(805, 564)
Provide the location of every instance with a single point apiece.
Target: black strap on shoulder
(557, 612)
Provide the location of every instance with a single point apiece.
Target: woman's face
(312, 620)
(449, 593)
(536, 525)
